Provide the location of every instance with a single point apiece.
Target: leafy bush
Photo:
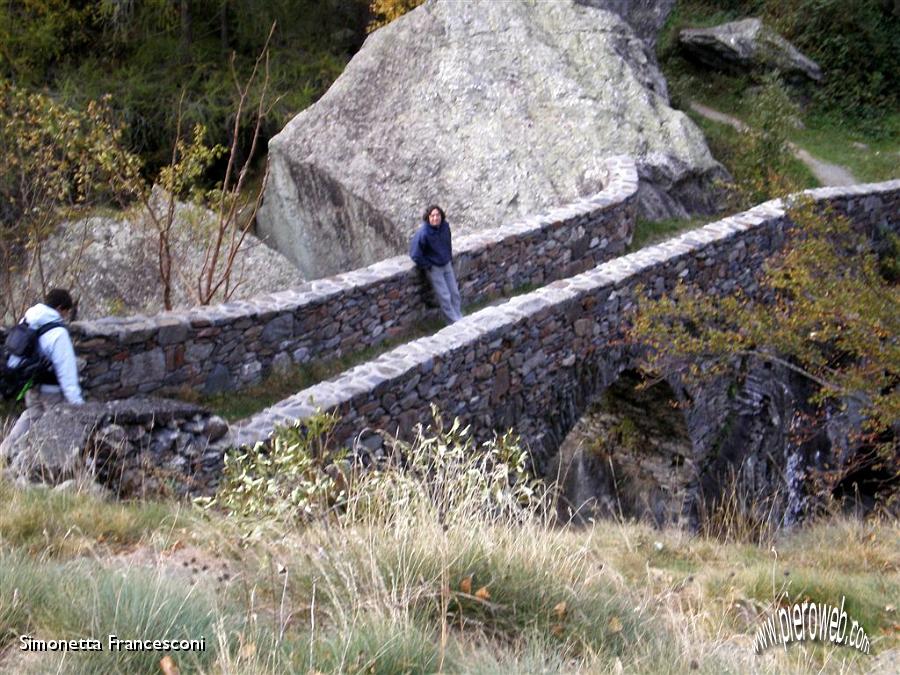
(146, 53)
(854, 41)
(300, 477)
(762, 154)
(759, 156)
(288, 480)
(824, 311)
(56, 160)
(61, 159)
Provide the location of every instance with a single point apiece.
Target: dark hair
(59, 298)
(432, 208)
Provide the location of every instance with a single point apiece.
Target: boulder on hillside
(747, 44)
(646, 17)
(111, 263)
(494, 110)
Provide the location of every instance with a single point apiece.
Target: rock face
(495, 110)
(111, 264)
(630, 455)
(746, 44)
(646, 17)
(753, 441)
(133, 447)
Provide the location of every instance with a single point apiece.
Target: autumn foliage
(826, 308)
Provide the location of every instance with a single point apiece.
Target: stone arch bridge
(534, 363)
(537, 361)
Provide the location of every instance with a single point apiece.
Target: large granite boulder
(133, 447)
(112, 266)
(747, 44)
(495, 110)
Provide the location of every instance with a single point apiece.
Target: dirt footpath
(825, 173)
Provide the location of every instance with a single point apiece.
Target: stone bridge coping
(420, 354)
(621, 184)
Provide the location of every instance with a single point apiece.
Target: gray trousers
(35, 405)
(443, 281)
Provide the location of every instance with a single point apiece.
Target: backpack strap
(46, 328)
(49, 326)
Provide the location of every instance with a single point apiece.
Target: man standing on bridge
(432, 251)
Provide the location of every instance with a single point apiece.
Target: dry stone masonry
(228, 346)
(537, 361)
(132, 447)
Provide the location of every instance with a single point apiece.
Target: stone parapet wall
(228, 346)
(134, 447)
(534, 362)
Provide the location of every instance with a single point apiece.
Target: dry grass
(412, 578)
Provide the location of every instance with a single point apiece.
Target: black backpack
(33, 367)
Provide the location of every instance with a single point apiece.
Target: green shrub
(146, 53)
(762, 154)
(56, 159)
(285, 481)
(300, 477)
(759, 157)
(854, 41)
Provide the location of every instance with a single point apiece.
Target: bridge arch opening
(628, 456)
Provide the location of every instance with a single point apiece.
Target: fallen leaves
(465, 587)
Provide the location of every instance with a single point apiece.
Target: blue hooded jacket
(431, 246)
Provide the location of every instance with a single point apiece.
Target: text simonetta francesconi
(113, 643)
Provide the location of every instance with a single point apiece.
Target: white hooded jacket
(56, 345)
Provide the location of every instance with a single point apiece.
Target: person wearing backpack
(42, 345)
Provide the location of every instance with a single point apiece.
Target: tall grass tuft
(65, 524)
(24, 586)
(81, 599)
(445, 545)
(443, 556)
(739, 513)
